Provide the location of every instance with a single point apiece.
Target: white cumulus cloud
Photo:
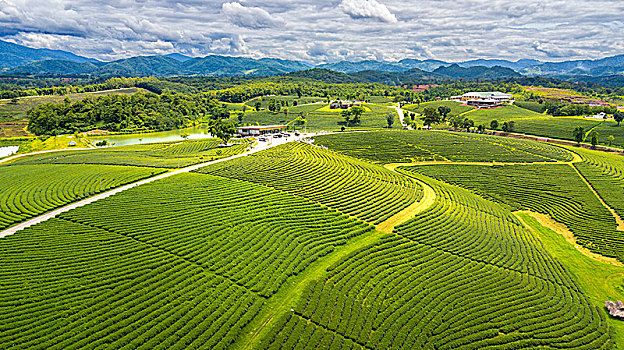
(248, 17)
(368, 9)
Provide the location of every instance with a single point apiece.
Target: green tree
(618, 116)
(494, 124)
(222, 129)
(352, 116)
(610, 138)
(431, 116)
(357, 112)
(456, 121)
(594, 140)
(467, 123)
(258, 106)
(508, 126)
(390, 120)
(579, 134)
(346, 115)
(444, 111)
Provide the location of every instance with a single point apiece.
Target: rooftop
(486, 94)
(261, 127)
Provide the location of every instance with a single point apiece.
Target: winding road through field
(41, 218)
(399, 111)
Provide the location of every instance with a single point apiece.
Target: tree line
(122, 113)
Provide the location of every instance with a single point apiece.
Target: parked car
(297, 133)
(262, 139)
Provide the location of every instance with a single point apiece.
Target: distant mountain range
(13, 55)
(21, 59)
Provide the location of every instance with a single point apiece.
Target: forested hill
(13, 55)
(162, 66)
(19, 59)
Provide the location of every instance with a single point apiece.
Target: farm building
(254, 130)
(487, 103)
(344, 104)
(599, 116)
(491, 95)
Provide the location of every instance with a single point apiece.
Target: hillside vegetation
(368, 192)
(410, 146)
(445, 282)
(364, 240)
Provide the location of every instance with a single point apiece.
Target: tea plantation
(367, 240)
(161, 155)
(555, 189)
(30, 190)
(414, 146)
(445, 282)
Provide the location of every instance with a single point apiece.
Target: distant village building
(483, 99)
(600, 116)
(489, 103)
(491, 95)
(256, 130)
(344, 104)
(421, 88)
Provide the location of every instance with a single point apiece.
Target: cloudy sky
(321, 30)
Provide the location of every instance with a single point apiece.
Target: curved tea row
(605, 173)
(368, 192)
(555, 189)
(162, 155)
(416, 146)
(431, 286)
(184, 262)
(29, 190)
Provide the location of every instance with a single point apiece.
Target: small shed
(256, 130)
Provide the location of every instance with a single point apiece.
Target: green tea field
(363, 240)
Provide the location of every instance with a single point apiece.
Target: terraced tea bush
(555, 189)
(605, 173)
(29, 190)
(163, 155)
(378, 147)
(548, 151)
(369, 192)
(501, 114)
(446, 282)
(183, 262)
(409, 146)
(532, 106)
(554, 127)
(68, 285)
(248, 233)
